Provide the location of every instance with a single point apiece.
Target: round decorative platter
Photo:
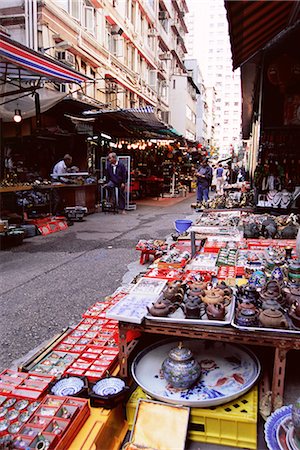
(108, 386)
(67, 386)
(227, 372)
(279, 430)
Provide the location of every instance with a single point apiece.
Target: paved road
(48, 282)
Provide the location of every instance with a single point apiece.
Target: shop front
(263, 45)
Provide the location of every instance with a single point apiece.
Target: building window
(89, 19)
(174, 84)
(75, 9)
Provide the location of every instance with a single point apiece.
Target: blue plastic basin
(182, 225)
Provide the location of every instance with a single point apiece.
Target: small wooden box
(160, 426)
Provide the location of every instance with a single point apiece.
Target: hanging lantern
(283, 72)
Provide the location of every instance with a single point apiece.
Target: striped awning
(22, 63)
(254, 24)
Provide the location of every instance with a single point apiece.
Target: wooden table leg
(278, 378)
(123, 352)
(125, 348)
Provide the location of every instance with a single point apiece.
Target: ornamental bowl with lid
(180, 368)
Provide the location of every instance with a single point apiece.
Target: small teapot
(161, 308)
(270, 304)
(247, 292)
(226, 289)
(295, 307)
(291, 294)
(197, 285)
(194, 291)
(213, 296)
(272, 318)
(180, 368)
(246, 305)
(216, 311)
(192, 308)
(271, 291)
(247, 317)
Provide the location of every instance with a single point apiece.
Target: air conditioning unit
(165, 56)
(66, 57)
(162, 15)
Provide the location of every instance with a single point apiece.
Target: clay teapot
(173, 294)
(271, 291)
(247, 317)
(270, 304)
(226, 289)
(246, 305)
(291, 294)
(214, 296)
(197, 285)
(295, 307)
(272, 318)
(194, 291)
(294, 318)
(246, 293)
(161, 308)
(180, 368)
(193, 308)
(215, 311)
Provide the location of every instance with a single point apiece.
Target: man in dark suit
(116, 176)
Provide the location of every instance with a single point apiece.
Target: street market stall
(208, 292)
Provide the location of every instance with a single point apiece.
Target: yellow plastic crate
(233, 424)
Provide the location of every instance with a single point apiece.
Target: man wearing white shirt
(62, 167)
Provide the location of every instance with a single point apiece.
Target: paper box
(160, 426)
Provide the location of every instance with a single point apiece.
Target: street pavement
(48, 282)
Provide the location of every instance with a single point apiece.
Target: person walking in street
(204, 178)
(116, 176)
(220, 179)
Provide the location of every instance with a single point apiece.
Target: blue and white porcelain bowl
(108, 386)
(67, 386)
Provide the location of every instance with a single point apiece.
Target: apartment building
(130, 49)
(209, 43)
(194, 71)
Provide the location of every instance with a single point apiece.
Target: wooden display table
(79, 195)
(15, 188)
(282, 342)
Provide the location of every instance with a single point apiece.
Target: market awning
(131, 123)
(18, 62)
(253, 24)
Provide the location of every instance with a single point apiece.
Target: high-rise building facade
(132, 50)
(209, 43)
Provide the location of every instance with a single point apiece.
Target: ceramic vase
(180, 368)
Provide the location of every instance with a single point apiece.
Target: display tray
(179, 317)
(279, 430)
(228, 371)
(292, 330)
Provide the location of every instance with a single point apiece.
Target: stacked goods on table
(178, 287)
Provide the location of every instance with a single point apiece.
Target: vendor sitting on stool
(116, 176)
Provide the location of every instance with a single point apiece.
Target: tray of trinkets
(54, 424)
(14, 412)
